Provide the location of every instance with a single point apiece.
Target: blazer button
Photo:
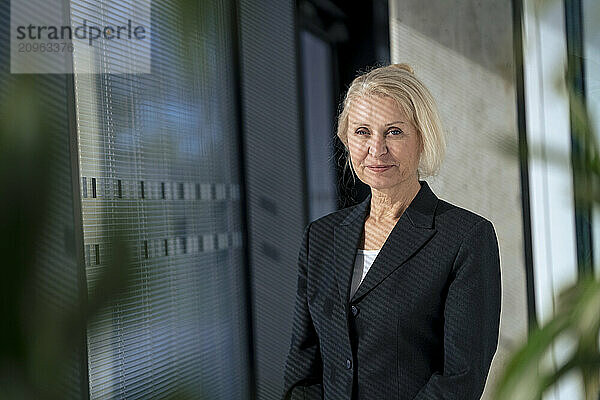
(354, 310)
(348, 363)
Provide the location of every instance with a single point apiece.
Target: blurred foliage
(576, 323)
(568, 343)
(39, 339)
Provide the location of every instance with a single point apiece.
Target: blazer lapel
(345, 241)
(413, 230)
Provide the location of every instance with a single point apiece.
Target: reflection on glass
(160, 152)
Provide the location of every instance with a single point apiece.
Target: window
(178, 326)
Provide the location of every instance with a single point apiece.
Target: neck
(390, 204)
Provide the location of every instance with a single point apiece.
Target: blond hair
(399, 82)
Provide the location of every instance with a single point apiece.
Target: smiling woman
(383, 155)
(393, 95)
(386, 158)
(393, 136)
(398, 297)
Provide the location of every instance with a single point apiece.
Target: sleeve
(471, 319)
(303, 368)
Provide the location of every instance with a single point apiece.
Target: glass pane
(150, 144)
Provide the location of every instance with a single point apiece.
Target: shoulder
(332, 219)
(452, 218)
(458, 222)
(324, 225)
(471, 237)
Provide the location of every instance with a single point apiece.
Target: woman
(398, 297)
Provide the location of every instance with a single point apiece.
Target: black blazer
(424, 322)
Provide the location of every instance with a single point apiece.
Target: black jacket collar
(411, 232)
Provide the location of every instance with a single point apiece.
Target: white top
(362, 263)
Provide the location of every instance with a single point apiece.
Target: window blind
(159, 150)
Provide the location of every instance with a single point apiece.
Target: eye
(362, 132)
(395, 132)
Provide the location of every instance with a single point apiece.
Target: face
(384, 145)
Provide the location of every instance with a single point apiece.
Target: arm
(303, 368)
(471, 319)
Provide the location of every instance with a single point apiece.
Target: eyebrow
(391, 123)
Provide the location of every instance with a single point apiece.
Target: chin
(379, 184)
(385, 182)
(381, 187)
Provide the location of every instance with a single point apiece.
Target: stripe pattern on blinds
(159, 151)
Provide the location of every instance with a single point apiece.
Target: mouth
(379, 168)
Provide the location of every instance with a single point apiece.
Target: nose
(377, 146)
